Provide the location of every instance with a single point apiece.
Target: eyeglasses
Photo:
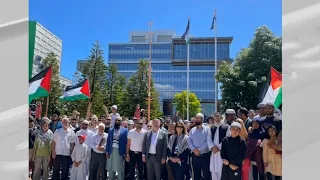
(108, 119)
(139, 123)
(118, 120)
(149, 126)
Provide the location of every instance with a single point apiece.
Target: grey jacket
(162, 144)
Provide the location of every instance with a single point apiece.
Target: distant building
(80, 65)
(44, 42)
(64, 82)
(169, 64)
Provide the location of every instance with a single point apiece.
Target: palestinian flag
(272, 90)
(39, 85)
(76, 92)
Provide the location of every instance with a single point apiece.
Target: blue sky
(81, 23)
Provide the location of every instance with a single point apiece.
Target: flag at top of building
(272, 90)
(76, 92)
(39, 85)
(186, 34)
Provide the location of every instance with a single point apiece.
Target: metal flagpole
(149, 70)
(188, 79)
(215, 63)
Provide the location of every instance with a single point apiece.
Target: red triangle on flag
(276, 79)
(45, 84)
(85, 88)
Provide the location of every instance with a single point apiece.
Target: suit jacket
(161, 148)
(122, 141)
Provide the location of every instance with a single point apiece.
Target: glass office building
(169, 64)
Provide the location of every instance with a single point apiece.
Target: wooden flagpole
(47, 107)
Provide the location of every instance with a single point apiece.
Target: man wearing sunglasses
(134, 149)
(55, 123)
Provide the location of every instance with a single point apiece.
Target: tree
(137, 93)
(115, 85)
(180, 100)
(95, 71)
(55, 88)
(242, 81)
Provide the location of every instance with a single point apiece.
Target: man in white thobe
(217, 132)
(78, 156)
(89, 135)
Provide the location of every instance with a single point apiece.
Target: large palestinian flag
(39, 85)
(272, 90)
(76, 92)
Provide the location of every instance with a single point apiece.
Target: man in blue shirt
(199, 147)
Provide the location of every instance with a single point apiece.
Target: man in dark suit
(154, 150)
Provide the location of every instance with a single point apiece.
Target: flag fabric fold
(76, 92)
(213, 25)
(272, 89)
(39, 85)
(185, 35)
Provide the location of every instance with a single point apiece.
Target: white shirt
(113, 118)
(259, 118)
(63, 139)
(154, 141)
(89, 136)
(79, 153)
(136, 139)
(94, 129)
(116, 136)
(96, 141)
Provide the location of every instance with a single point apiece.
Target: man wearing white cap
(113, 115)
(199, 147)
(233, 152)
(230, 116)
(89, 135)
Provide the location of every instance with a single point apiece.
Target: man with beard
(134, 150)
(55, 123)
(79, 127)
(218, 131)
(154, 150)
(74, 124)
(89, 136)
(199, 147)
(62, 146)
(261, 112)
(108, 124)
(270, 119)
(98, 159)
(116, 150)
(230, 116)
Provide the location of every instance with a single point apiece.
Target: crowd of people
(225, 146)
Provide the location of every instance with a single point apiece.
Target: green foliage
(95, 71)
(137, 93)
(114, 87)
(242, 81)
(56, 90)
(180, 100)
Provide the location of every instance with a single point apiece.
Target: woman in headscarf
(42, 151)
(254, 152)
(178, 152)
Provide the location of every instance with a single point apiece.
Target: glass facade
(169, 78)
